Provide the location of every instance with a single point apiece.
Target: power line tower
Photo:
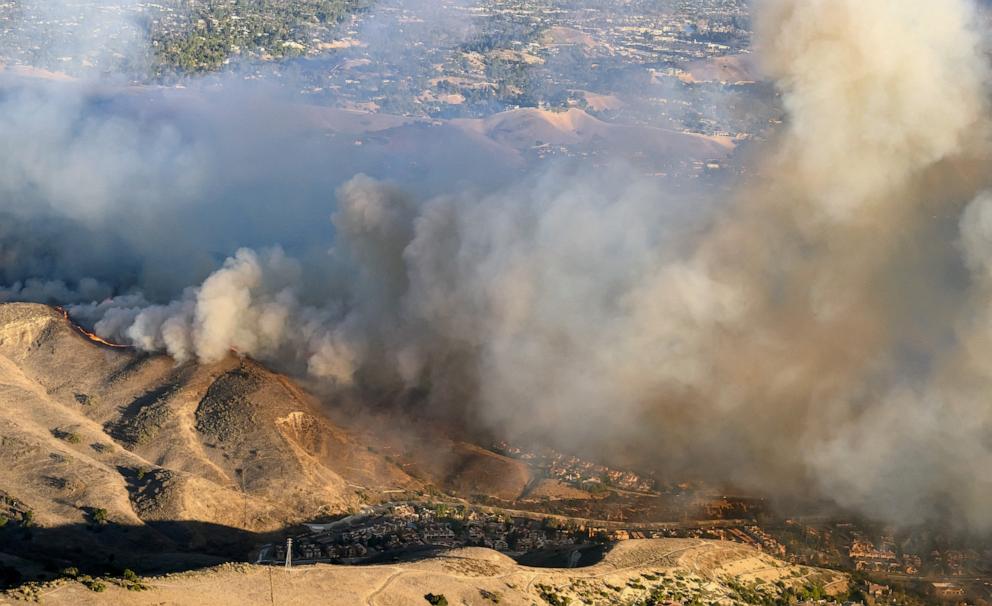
(289, 553)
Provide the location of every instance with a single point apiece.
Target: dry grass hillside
(103, 439)
(134, 457)
(670, 570)
(90, 425)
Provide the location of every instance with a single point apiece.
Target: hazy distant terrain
(469, 57)
(184, 37)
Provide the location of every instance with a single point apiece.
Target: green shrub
(92, 584)
(67, 436)
(551, 596)
(99, 515)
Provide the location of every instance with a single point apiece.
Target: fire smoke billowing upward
(807, 335)
(875, 92)
(841, 255)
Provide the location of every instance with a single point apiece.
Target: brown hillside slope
(93, 435)
(87, 427)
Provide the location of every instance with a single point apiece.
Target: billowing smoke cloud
(875, 92)
(87, 289)
(824, 328)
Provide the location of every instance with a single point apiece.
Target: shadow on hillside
(109, 548)
(177, 545)
(565, 557)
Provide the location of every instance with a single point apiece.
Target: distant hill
(505, 142)
(729, 69)
(525, 128)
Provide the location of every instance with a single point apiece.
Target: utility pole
(272, 593)
(244, 495)
(289, 553)
(243, 472)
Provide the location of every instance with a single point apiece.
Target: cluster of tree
(11, 577)
(503, 30)
(208, 32)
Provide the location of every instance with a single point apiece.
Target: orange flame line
(91, 336)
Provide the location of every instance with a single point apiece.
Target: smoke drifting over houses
(824, 328)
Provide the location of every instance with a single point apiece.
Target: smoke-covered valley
(817, 325)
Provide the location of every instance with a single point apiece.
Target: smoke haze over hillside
(825, 326)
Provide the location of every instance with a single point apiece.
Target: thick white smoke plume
(875, 91)
(827, 327)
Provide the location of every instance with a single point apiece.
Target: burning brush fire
(89, 335)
